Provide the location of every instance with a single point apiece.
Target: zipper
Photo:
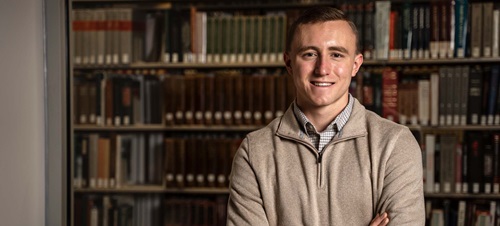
(319, 155)
(320, 170)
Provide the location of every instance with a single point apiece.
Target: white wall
(22, 143)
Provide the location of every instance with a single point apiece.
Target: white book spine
(430, 142)
(434, 99)
(495, 32)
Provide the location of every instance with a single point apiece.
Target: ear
(288, 62)
(358, 61)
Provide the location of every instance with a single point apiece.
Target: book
(180, 162)
(382, 25)
(487, 76)
(258, 99)
(209, 99)
(239, 99)
(434, 98)
(228, 96)
(190, 161)
(179, 90)
(474, 109)
(170, 162)
(430, 142)
(495, 49)
(447, 145)
(487, 14)
(269, 102)
(477, 32)
(488, 161)
(199, 99)
(461, 20)
(424, 94)
(280, 95)
(369, 31)
(219, 101)
(189, 108)
(169, 100)
(201, 161)
(496, 163)
(464, 87)
(434, 32)
(475, 158)
(492, 95)
(407, 30)
(390, 94)
(248, 105)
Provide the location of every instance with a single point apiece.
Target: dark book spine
(475, 95)
(200, 99)
(209, 100)
(228, 107)
(238, 100)
(269, 98)
(475, 164)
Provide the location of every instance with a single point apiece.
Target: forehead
(337, 32)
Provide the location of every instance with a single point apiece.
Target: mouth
(322, 84)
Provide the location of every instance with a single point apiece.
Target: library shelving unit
(162, 92)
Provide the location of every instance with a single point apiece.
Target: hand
(380, 220)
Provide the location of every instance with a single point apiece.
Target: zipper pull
(320, 157)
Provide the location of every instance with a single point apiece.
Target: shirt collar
(336, 125)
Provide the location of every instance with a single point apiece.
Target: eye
(309, 55)
(337, 55)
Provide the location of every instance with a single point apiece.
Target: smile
(322, 84)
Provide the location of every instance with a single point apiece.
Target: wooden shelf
(153, 189)
(462, 196)
(202, 128)
(159, 65)
(143, 128)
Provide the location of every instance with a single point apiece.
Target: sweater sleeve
(402, 195)
(245, 205)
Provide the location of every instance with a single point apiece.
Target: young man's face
(322, 60)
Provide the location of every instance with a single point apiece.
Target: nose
(322, 67)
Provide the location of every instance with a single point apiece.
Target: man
(327, 160)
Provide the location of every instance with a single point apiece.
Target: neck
(322, 116)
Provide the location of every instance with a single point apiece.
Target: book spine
(495, 49)
(435, 27)
(434, 98)
(424, 101)
(461, 20)
(492, 94)
(477, 29)
(464, 88)
(430, 142)
(475, 95)
(382, 23)
(390, 94)
(369, 31)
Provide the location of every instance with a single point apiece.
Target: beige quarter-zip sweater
(278, 178)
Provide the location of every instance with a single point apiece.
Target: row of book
(106, 210)
(436, 96)
(226, 98)
(196, 211)
(435, 29)
(438, 29)
(152, 210)
(116, 36)
(120, 160)
(462, 212)
(462, 163)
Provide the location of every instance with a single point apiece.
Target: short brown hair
(316, 15)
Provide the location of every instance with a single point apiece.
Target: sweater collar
(354, 127)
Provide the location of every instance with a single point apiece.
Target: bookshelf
(156, 109)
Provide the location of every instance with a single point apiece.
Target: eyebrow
(331, 48)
